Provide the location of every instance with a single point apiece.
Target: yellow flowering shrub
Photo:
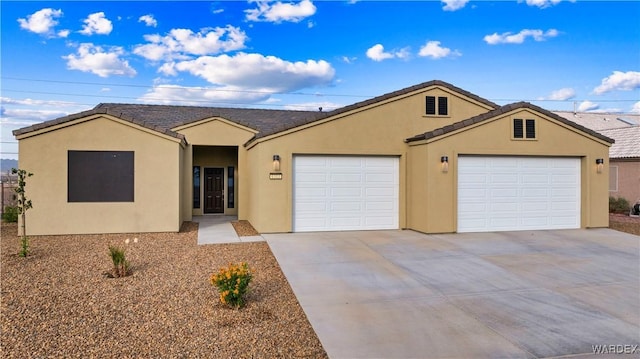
(232, 283)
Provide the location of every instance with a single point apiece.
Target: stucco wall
(218, 132)
(628, 185)
(156, 206)
(376, 130)
(434, 205)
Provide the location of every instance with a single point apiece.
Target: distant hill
(7, 164)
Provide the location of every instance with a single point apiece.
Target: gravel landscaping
(58, 302)
(625, 223)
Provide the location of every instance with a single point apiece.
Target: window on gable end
(530, 128)
(524, 129)
(443, 106)
(518, 130)
(437, 105)
(431, 105)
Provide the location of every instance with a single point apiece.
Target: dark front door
(213, 190)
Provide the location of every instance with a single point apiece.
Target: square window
(440, 108)
(100, 176)
(524, 129)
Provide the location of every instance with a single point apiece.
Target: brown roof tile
(163, 118)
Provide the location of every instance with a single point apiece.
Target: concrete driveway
(402, 294)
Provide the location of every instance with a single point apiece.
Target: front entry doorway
(214, 190)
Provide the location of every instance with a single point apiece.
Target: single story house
(432, 157)
(624, 155)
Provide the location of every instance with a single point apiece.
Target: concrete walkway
(402, 294)
(217, 229)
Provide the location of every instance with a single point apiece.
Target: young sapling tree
(24, 204)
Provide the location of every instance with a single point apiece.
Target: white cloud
(377, 53)
(96, 23)
(41, 22)
(29, 116)
(433, 50)
(218, 11)
(278, 12)
(201, 96)
(256, 71)
(453, 5)
(92, 58)
(636, 108)
(587, 106)
(562, 94)
(32, 102)
(148, 20)
(63, 33)
(180, 43)
(510, 38)
(621, 81)
(543, 3)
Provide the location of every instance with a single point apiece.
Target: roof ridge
(408, 90)
(114, 104)
(502, 110)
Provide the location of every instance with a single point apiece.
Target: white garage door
(518, 193)
(337, 193)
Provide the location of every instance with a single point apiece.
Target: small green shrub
(24, 246)
(232, 283)
(10, 214)
(619, 205)
(120, 263)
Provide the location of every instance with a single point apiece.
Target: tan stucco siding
(396, 118)
(271, 200)
(186, 184)
(439, 192)
(156, 206)
(215, 132)
(375, 130)
(218, 132)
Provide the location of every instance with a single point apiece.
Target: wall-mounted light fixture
(444, 160)
(599, 164)
(276, 163)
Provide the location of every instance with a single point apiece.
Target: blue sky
(64, 57)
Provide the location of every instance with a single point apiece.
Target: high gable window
(524, 129)
(530, 128)
(437, 105)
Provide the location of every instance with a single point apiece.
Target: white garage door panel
(518, 193)
(333, 193)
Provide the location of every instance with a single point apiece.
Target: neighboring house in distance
(624, 154)
(431, 157)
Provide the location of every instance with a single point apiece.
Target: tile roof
(412, 89)
(624, 128)
(163, 118)
(500, 111)
(601, 121)
(627, 142)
